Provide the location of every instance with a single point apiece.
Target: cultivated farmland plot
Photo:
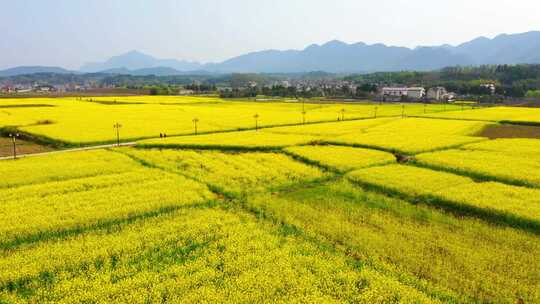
(521, 169)
(143, 117)
(523, 115)
(282, 211)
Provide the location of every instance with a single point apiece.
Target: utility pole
(195, 121)
(256, 116)
(303, 109)
(342, 114)
(14, 141)
(117, 126)
(402, 111)
(376, 108)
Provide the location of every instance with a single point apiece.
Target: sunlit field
(519, 165)
(494, 114)
(147, 117)
(396, 208)
(411, 135)
(340, 158)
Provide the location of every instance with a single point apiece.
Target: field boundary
(90, 148)
(59, 234)
(232, 200)
(520, 123)
(457, 118)
(488, 215)
(476, 176)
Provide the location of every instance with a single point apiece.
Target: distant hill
(503, 49)
(26, 70)
(339, 57)
(135, 60)
(157, 71)
(332, 57)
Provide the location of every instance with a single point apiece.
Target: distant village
(318, 88)
(420, 93)
(416, 94)
(378, 92)
(49, 88)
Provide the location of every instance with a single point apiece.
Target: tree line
(510, 80)
(362, 91)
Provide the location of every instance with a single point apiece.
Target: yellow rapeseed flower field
(522, 169)
(341, 158)
(514, 201)
(411, 135)
(189, 256)
(414, 135)
(146, 117)
(58, 167)
(404, 143)
(154, 99)
(332, 129)
(245, 139)
(83, 200)
(231, 172)
(516, 114)
(258, 207)
(454, 258)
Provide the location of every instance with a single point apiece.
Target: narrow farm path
(127, 144)
(132, 142)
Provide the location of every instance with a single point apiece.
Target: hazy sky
(69, 33)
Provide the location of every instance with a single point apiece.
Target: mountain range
(135, 60)
(27, 70)
(334, 57)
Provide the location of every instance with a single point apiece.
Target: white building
(396, 93)
(437, 93)
(416, 93)
(186, 92)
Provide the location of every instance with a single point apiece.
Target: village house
(437, 93)
(394, 92)
(440, 94)
(399, 93)
(416, 93)
(7, 89)
(23, 90)
(186, 92)
(44, 88)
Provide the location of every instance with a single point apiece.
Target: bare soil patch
(510, 131)
(23, 147)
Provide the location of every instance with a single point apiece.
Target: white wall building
(414, 93)
(394, 92)
(437, 93)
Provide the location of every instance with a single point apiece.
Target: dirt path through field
(31, 154)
